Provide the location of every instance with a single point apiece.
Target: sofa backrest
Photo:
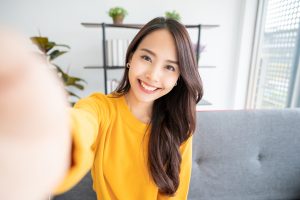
(246, 154)
(82, 191)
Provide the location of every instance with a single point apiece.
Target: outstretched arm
(35, 140)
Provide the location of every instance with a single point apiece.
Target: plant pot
(118, 19)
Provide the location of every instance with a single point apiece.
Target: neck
(141, 110)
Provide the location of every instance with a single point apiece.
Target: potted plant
(53, 51)
(173, 15)
(118, 14)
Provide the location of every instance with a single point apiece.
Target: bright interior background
(227, 47)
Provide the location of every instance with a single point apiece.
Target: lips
(147, 88)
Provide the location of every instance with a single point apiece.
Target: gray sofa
(238, 155)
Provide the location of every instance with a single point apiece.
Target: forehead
(161, 42)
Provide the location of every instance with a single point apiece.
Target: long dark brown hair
(174, 114)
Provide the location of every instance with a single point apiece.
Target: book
(112, 84)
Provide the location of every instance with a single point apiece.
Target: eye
(170, 67)
(147, 58)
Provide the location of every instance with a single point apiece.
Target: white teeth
(148, 87)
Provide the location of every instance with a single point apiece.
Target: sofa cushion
(247, 155)
(82, 191)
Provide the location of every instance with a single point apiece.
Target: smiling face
(154, 67)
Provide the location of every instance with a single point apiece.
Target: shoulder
(94, 103)
(98, 96)
(96, 99)
(101, 106)
(105, 103)
(107, 98)
(187, 144)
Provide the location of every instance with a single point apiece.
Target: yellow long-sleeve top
(112, 142)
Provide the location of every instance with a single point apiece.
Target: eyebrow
(153, 54)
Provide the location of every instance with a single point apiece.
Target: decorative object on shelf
(173, 15)
(52, 51)
(201, 50)
(117, 14)
(112, 85)
(116, 51)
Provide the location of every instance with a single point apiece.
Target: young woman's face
(154, 67)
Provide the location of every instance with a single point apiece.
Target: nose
(153, 74)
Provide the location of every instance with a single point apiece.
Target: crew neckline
(130, 114)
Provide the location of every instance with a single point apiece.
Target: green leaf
(49, 46)
(56, 53)
(73, 79)
(58, 68)
(64, 76)
(62, 45)
(45, 45)
(70, 80)
(73, 94)
(41, 42)
(78, 86)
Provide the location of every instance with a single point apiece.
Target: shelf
(207, 66)
(101, 67)
(99, 25)
(139, 26)
(122, 67)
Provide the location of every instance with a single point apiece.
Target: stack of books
(112, 85)
(116, 52)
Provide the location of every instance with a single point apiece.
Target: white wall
(60, 21)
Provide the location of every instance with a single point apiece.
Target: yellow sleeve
(185, 173)
(85, 122)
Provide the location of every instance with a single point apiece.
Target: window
(276, 55)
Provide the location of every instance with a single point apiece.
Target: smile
(147, 88)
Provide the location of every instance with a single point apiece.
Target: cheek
(137, 68)
(134, 73)
(169, 85)
(170, 80)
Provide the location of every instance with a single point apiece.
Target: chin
(146, 99)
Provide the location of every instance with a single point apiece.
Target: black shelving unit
(105, 67)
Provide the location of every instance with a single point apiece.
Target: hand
(35, 141)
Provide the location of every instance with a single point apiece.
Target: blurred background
(249, 49)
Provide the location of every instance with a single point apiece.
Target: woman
(138, 140)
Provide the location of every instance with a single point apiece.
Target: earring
(128, 65)
(177, 81)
